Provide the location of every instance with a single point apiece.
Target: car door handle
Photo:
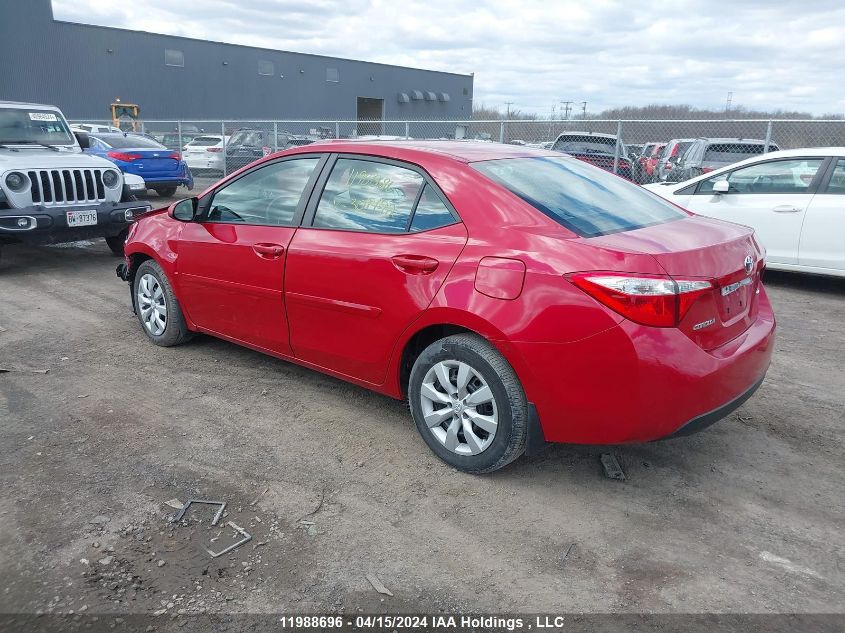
(415, 264)
(786, 208)
(268, 251)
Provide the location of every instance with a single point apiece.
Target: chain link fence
(642, 150)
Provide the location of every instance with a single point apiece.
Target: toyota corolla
(513, 295)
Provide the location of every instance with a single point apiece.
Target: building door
(370, 116)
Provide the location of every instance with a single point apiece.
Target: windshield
(247, 137)
(205, 141)
(586, 200)
(584, 144)
(129, 141)
(33, 125)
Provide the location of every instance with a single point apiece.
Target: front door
(770, 196)
(374, 250)
(230, 264)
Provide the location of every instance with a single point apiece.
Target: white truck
(52, 192)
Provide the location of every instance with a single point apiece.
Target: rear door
(822, 245)
(230, 265)
(376, 244)
(769, 196)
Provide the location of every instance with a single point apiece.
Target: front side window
(268, 196)
(777, 176)
(362, 195)
(586, 200)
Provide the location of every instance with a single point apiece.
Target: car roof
(464, 151)
(25, 104)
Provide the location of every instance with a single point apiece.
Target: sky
(771, 54)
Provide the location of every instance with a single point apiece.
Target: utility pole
(583, 109)
(728, 102)
(567, 108)
(509, 104)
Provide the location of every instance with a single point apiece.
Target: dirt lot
(334, 482)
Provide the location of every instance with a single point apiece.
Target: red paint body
(347, 303)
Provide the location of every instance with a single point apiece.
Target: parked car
(638, 162)
(205, 153)
(50, 192)
(595, 148)
(672, 153)
(512, 295)
(89, 128)
(249, 144)
(707, 154)
(652, 161)
(793, 199)
(163, 170)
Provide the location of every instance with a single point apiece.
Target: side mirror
(721, 186)
(185, 210)
(82, 139)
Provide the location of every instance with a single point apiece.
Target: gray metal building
(83, 68)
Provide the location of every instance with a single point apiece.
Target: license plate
(81, 218)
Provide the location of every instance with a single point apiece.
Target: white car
(205, 152)
(94, 128)
(793, 199)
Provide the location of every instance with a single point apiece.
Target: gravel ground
(334, 483)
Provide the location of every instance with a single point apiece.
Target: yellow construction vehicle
(125, 116)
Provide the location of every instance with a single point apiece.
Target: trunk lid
(155, 160)
(698, 248)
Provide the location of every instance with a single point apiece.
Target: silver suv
(50, 191)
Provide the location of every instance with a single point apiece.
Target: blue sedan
(162, 169)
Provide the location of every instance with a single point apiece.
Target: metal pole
(768, 137)
(223, 134)
(618, 149)
(407, 130)
(142, 128)
(502, 132)
(275, 136)
(337, 129)
(179, 131)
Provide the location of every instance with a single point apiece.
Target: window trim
(814, 186)
(319, 188)
(174, 50)
(207, 201)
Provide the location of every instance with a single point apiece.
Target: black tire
(175, 331)
(166, 192)
(116, 242)
(508, 443)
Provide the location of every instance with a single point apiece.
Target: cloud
(536, 53)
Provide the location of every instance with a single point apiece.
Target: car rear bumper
(634, 383)
(48, 225)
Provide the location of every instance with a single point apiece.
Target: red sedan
(512, 295)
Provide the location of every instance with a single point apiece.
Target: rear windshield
(205, 141)
(585, 144)
(729, 153)
(135, 142)
(585, 199)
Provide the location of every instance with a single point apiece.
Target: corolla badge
(749, 264)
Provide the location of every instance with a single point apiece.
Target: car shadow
(803, 281)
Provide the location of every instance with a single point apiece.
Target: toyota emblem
(749, 264)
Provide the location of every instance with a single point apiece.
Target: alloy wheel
(459, 407)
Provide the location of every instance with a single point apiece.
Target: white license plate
(81, 218)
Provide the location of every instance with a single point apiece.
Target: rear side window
(363, 195)
(431, 212)
(837, 179)
(585, 199)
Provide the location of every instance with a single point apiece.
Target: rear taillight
(123, 156)
(175, 156)
(214, 150)
(624, 164)
(706, 170)
(647, 299)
